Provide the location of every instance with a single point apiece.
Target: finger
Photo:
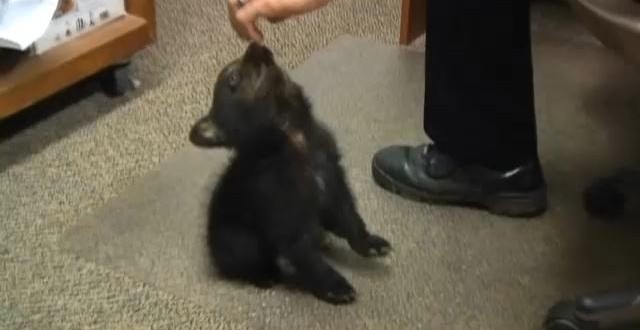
(254, 33)
(255, 9)
(233, 4)
(248, 31)
(247, 13)
(231, 13)
(276, 19)
(247, 16)
(242, 29)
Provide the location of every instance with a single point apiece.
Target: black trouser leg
(479, 104)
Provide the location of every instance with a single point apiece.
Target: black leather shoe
(424, 173)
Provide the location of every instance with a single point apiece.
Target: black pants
(479, 104)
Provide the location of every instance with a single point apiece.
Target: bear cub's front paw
(378, 246)
(338, 292)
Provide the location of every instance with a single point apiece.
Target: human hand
(243, 14)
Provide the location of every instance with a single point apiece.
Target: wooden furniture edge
(144, 9)
(412, 20)
(36, 78)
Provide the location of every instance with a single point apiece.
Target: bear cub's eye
(234, 78)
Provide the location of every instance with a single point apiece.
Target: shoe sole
(525, 205)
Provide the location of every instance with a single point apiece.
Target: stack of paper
(24, 21)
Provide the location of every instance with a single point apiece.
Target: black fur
(284, 186)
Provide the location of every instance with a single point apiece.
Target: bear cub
(284, 187)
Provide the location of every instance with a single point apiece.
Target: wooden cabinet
(33, 78)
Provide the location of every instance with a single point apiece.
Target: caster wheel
(562, 316)
(604, 199)
(116, 81)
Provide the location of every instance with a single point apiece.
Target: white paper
(90, 4)
(24, 21)
(3, 6)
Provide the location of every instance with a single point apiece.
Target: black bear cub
(284, 187)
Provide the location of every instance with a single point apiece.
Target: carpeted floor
(87, 150)
(91, 149)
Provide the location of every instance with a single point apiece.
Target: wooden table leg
(413, 20)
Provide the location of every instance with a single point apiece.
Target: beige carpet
(55, 172)
(83, 154)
